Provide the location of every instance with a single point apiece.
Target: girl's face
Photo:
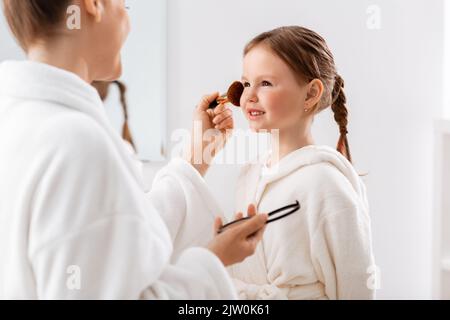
(107, 38)
(273, 97)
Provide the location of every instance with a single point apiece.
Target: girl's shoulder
(330, 187)
(322, 182)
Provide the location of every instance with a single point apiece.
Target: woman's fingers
(238, 215)
(226, 124)
(219, 117)
(255, 238)
(251, 210)
(220, 108)
(206, 101)
(217, 225)
(238, 243)
(251, 226)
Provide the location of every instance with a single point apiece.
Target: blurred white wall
(446, 60)
(394, 89)
(8, 48)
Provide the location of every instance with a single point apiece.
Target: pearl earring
(306, 110)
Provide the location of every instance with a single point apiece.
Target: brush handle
(213, 104)
(219, 100)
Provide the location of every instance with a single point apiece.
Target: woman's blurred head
(103, 29)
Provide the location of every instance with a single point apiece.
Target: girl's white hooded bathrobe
(76, 221)
(323, 251)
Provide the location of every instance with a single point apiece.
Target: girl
(75, 219)
(324, 250)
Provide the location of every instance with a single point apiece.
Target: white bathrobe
(75, 220)
(323, 251)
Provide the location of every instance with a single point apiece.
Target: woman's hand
(211, 130)
(240, 241)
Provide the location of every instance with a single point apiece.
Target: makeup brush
(233, 95)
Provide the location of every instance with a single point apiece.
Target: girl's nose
(250, 95)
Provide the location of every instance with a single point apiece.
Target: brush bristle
(235, 92)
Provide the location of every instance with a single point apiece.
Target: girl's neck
(287, 142)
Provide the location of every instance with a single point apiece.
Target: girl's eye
(246, 84)
(266, 84)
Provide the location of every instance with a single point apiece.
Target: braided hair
(103, 90)
(340, 116)
(126, 133)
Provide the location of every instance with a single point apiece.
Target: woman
(75, 221)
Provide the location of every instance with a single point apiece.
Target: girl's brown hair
(103, 90)
(33, 19)
(309, 57)
(126, 134)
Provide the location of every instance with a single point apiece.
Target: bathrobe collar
(39, 81)
(31, 80)
(297, 159)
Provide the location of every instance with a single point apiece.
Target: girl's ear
(95, 9)
(314, 94)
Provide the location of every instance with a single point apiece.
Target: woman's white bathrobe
(75, 219)
(322, 251)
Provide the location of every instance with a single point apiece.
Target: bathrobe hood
(306, 156)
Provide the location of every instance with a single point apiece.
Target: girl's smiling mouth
(254, 114)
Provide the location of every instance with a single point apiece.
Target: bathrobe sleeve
(342, 254)
(93, 232)
(184, 201)
(341, 241)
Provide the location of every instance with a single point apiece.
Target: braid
(339, 108)
(126, 134)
